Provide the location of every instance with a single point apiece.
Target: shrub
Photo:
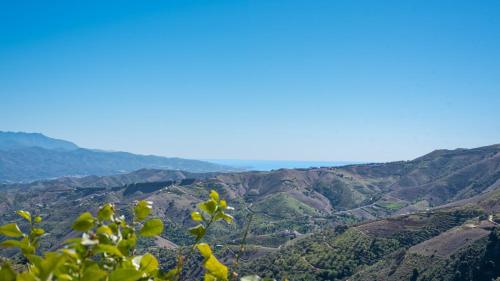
(106, 248)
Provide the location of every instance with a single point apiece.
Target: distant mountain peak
(33, 156)
(21, 140)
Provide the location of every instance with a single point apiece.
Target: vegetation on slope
(106, 249)
(336, 254)
(295, 212)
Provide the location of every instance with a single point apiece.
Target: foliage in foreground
(106, 249)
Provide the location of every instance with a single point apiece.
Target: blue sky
(302, 80)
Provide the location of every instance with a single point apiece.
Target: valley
(387, 221)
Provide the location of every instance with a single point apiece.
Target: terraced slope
(339, 253)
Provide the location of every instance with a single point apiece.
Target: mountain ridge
(19, 140)
(33, 156)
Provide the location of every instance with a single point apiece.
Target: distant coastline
(268, 165)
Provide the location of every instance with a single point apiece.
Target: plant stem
(242, 247)
(191, 251)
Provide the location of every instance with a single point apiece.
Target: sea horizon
(269, 165)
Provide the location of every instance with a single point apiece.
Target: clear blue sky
(303, 80)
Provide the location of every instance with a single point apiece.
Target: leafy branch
(106, 248)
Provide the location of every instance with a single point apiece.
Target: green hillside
(380, 221)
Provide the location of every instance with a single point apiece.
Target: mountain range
(33, 156)
(431, 218)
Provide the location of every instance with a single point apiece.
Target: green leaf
(63, 277)
(49, 264)
(35, 260)
(10, 230)
(72, 241)
(152, 227)
(142, 209)
(127, 245)
(214, 195)
(38, 219)
(208, 206)
(223, 204)
(215, 267)
(227, 218)
(148, 263)
(113, 227)
(24, 214)
(6, 273)
(223, 216)
(37, 231)
(218, 216)
(84, 222)
(125, 274)
(108, 249)
(24, 245)
(93, 273)
(209, 277)
(204, 249)
(196, 216)
(170, 275)
(127, 231)
(26, 276)
(198, 231)
(71, 253)
(104, 229)
(106, 212)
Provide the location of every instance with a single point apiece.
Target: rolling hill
(446, 243)
(406, 220)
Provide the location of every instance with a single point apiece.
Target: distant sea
(268, 165)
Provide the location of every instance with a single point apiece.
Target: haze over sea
(268, 165)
